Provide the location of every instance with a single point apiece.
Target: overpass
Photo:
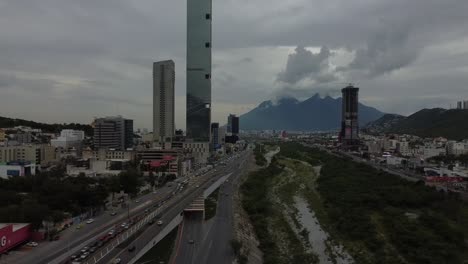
(142, 236)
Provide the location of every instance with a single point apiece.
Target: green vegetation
(278, 242)
(366, 210)
(236, 247)
(259, 153)
(51, 195)
(51, 128)
(161, 252)
(211, 202)
(436, 122)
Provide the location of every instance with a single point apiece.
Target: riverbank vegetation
(278, 242)
(381, 218)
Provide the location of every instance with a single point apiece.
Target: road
(73, 239)
(212, 238)
(169, 211)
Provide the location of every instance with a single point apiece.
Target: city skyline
(104, 67)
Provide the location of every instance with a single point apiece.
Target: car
(160, 222)
(131, 248)
(146, 211)
(73, 256)
(191, 241)
(92, 250)
(137, 201)
(90, 221)
(32, 244)
(197, 186)
(150, 222)
(84, 250)
(99, 244)
(113, 213)
(83, 256)
(111, 232)
(117, 261)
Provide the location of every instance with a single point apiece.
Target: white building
(17, 169)
(403, 148)
(456, 148)
(163, 100)
(200, 151)
(68, 138)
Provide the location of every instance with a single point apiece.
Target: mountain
(436, 122)
(313, 114)
(383, 124)
(52, 128)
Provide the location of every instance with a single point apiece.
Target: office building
(199, 70)
(24, 153)
(215, 144)
(113, 132)
(68, 138)
(17, 169)
(23, 137)
(233, 124)
(462, 105)
(163, 100)
(349, 134)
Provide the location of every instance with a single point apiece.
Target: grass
(162, 251)
(211, 202)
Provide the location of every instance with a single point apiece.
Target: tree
(129, 181)
(151, 179)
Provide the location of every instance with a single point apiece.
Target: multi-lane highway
(74, 239)
(167, 212)
(209, 242)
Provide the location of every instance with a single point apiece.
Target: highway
(211, 239)
(171, 209)
(73, 239)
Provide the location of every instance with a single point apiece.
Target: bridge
(166, 214)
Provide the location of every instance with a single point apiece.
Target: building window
(207, 76)
(208, 16)
(207, 45)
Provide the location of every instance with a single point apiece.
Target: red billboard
(12, 235)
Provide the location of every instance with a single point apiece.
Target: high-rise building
(233, 124)
(214, 136)
(113, 132)
(349, 125)
(199, 70)
(163, 100)
(459, 105)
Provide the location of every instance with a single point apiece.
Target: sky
(73, 60)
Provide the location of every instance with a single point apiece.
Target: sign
(3, 241)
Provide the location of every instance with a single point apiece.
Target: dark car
(131, 248)
(99, 244)
(150, 222)
(92, 250)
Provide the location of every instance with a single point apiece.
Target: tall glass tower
(199, 70)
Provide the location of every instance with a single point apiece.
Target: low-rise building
(68, 139)
(153, 159)
(200, 151)
(17, 169)
(456, 148)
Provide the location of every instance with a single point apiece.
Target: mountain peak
(313, 114)
(287, 100)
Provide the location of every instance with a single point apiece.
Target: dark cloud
(303, 64)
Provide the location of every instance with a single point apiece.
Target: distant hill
(50, 128)
(436, 122)
(313, 114)
(383, 124)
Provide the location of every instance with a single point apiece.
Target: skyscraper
(214, 136)
(233, 124)
(349, 125)
(163, 100)
(199, 70)
(113, 132)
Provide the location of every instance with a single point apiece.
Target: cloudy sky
(72, 60)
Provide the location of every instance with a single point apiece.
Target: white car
(32, 244)
(90, 221)
(159, 222)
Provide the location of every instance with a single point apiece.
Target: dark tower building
(349, 135)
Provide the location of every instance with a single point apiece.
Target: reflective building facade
(199, 70)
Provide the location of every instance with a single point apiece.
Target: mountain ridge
(322, 114)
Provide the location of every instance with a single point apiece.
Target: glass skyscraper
(199, 70)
